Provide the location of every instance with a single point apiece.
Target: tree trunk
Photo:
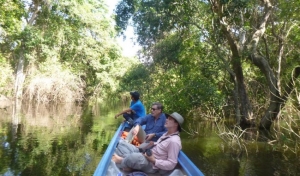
(247, 119)
(275, 98)
(277, 101)
(20, 76)
(243, 103)
(263, 65)
(236, 105)
(235, 89)
(245, 108)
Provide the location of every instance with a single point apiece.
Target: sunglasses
(153, 109)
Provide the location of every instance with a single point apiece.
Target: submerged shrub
(60, 88)
(53, 83)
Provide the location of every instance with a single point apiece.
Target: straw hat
(178, 118)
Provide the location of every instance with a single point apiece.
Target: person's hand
(136, 130)
(151, 143)
(149, 136)
(116, 116)
(150, 158)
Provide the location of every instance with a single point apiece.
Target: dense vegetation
(58, 51)
(204, 59)
(221, 59)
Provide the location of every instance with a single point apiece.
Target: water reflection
(70, 140)
(214, 157)
(54, 140)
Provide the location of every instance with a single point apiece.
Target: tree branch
(262, 27)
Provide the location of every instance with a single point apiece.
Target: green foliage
(10, 16)
(109, 79)
(204, 39)
(78, 36)
(125, 9)
(184, 93)
(167, 52)
(136, 78)
(6, 81)
(178, 90)
(183, 73)
(10, 26)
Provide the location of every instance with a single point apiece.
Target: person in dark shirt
(154, 122)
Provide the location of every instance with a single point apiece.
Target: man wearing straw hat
(163, 155)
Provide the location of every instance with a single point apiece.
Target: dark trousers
(130, 118)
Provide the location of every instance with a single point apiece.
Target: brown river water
(65, 140)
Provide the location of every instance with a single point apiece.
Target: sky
(128, 46)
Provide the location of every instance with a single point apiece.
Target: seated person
(161, 158)
(135, 110)
(155, 125)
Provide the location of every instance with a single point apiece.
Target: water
(55, 140)
(68, 140)
(214, 157)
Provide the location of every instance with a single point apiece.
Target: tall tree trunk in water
(235, 89)
(247, 119)
(275, 98)
(20, 76)
(259, 61)
(245, 107)
(241, 98)
(277, 101)
(236, 99)
(235, 33)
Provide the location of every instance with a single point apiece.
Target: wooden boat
(108, 168)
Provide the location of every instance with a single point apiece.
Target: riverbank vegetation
(58, 51)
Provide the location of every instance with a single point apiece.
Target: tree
(239, 33)
(11, 13)
(57, 37)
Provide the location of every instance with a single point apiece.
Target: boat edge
(103, 165)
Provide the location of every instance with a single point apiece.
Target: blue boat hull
(101, 170)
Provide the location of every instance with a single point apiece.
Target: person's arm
(141, 121)
(138, 124)
(122, 112)
(135, 107)
(171, 161)
(159, 134)
(150, 136)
